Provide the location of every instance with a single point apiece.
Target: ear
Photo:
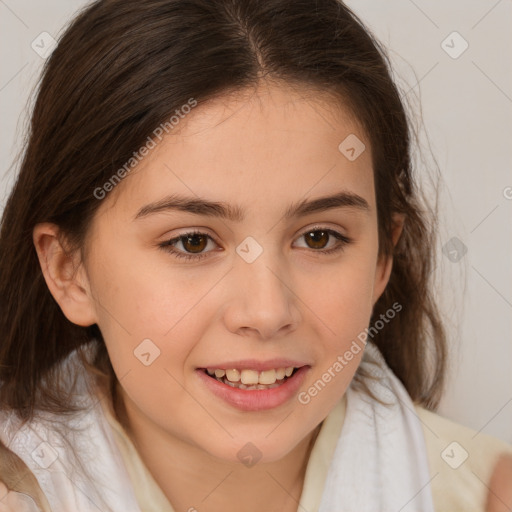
(385, 262)
(64, 274)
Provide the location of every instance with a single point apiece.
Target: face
(273, 282)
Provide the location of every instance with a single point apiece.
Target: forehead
(274, 141)
(268, 115)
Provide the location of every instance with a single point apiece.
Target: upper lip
(254, 364)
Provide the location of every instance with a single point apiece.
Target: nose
(263, 302)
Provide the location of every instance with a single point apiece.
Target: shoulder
(461, 462)
(53, 446)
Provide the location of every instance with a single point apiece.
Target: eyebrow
(235, 213)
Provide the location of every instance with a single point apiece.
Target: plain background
(465, 121)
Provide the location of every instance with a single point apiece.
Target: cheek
(152, 325)
(136, 302)
(341, 306)
(341, 294)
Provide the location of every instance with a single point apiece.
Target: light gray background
(466, 107)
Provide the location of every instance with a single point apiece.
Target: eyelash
(167, 245)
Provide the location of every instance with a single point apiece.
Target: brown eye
(323, 240)
(194, 243)
(317, 239)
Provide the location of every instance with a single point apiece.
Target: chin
(252, 452)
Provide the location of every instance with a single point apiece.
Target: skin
(263, 150)
(499, 498)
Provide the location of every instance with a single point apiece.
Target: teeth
(233, 375)
(250, 377)
(267, 377)
(280, 373)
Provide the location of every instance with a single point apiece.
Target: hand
(499, 498)
(12, 501)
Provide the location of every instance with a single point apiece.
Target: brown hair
(119, 71)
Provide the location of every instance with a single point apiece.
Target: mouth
(250, 390)
(251, 380)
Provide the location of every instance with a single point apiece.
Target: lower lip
(256, 399)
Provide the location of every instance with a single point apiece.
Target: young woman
(214, 274)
